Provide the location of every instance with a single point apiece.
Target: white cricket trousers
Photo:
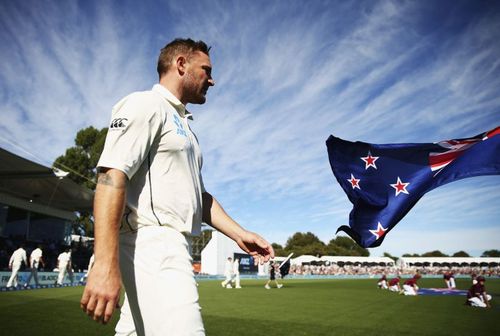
(479, 302)
(161, 293)
(394, 288)
(409, 290)
(62, 272)
(13, 276)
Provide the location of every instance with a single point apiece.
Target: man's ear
(181, 62)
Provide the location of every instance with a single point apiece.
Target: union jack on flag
(383, 182)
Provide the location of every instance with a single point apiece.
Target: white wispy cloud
(287, 75)
(62, 71)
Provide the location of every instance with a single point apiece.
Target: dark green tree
(80, 161)
(435, 253)
(279, 251)
(461, 254)
(407, 255)
(491, 254)
(345, 246)
(391, 256)
(305, 243)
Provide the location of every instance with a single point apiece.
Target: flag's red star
(354, 182)
(379, 232)
(400, 187)
(370, 161)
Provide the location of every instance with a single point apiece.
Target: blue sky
(288, 74)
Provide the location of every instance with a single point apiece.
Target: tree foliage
(345, 246)
(279, 251)
(81, 159)
(305, 243)
(461, 254)
(491, 254)
(308, 243)
(391, 256)
(409, 255)
(435, 253)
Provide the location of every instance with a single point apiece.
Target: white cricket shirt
(35, 256)
(64, 258)
(149, 139)
(17, 257)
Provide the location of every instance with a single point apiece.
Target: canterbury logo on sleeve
(118, 124)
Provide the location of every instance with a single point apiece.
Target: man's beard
(192, 91)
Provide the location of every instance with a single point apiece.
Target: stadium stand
(38, 206)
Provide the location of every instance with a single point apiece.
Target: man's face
(198, 78)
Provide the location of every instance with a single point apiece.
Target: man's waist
(133, 222)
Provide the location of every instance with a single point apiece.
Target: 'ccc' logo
(118, 123)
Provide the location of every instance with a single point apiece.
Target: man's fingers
(84, 300)
(89, 309)
(110, 308)
(99, 310)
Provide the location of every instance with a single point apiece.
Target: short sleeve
(136, 122)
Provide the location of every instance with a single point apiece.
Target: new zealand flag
(383, 182)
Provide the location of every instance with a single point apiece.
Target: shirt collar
(176, 103)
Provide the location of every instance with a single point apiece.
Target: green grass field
(302, 307)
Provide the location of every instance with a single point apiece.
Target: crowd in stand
(80, 252)
(334, 269)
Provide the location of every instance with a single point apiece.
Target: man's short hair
(176, 47)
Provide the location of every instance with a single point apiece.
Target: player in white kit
(35, 260)
(16, 260)
(64, 265)
(150, 199)
(228, 273)
(236, 273)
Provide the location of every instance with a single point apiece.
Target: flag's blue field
(384, 182)
(301, 307)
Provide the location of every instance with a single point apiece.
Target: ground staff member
(477, 296)
(150, 189)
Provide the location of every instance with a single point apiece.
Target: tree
(390, 256)
(279, 251)
(434, 254)
(410, 255)
(491, 254)
(305, 243)
(461, 254)
(345, 246)
(80, 161)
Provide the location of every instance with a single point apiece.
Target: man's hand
(253, 244)
(102, 292)
(256, 246)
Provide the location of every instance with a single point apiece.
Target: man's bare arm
(102, 291)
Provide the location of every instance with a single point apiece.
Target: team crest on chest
(180, 126)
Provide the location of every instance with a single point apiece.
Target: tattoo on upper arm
(103, 178)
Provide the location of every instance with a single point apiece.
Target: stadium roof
(28, 182)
